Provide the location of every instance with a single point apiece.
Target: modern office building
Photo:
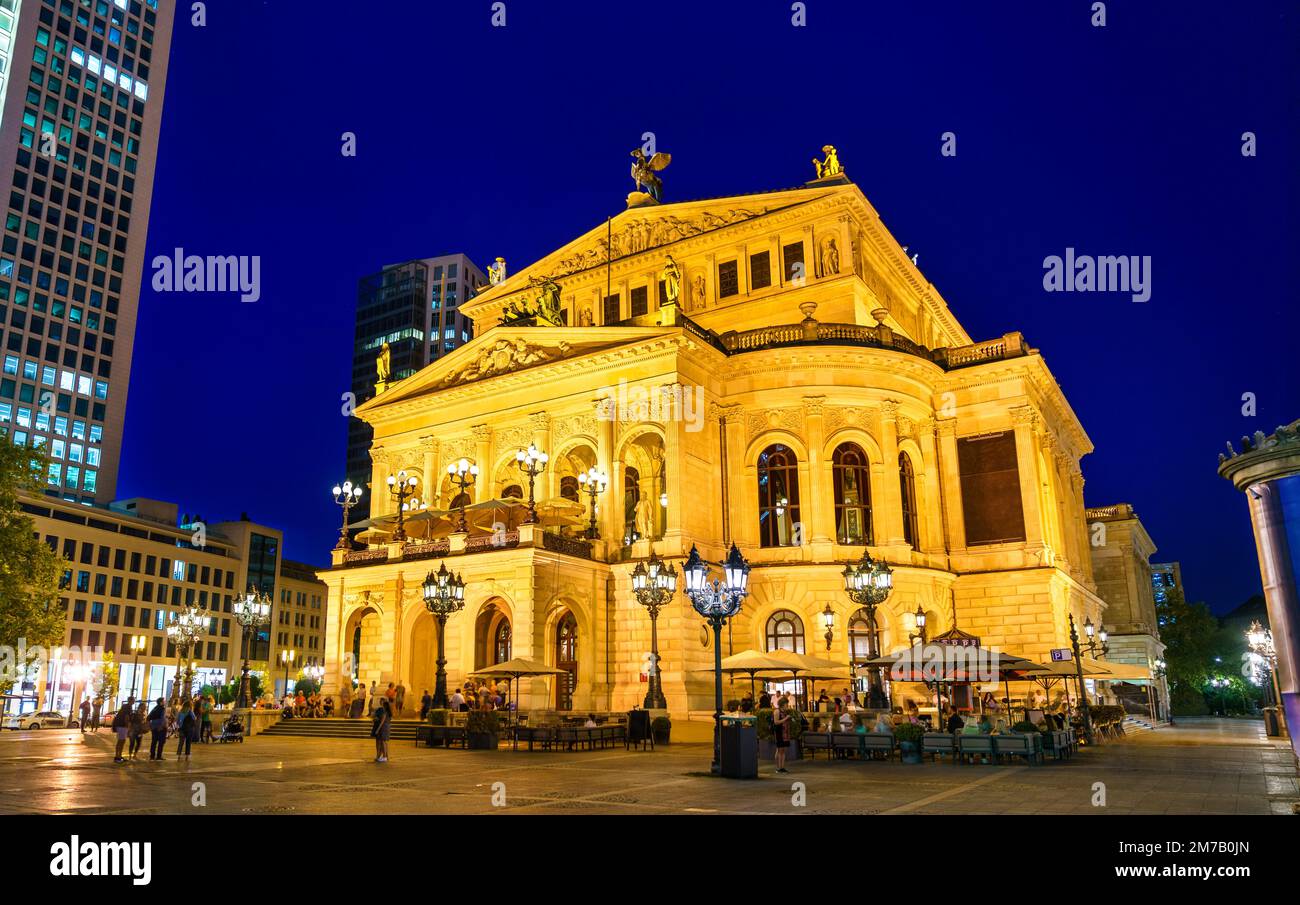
(1165, 576)
(134, 565)
(82, 87)
(415, 308)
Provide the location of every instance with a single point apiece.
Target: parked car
(43, 719)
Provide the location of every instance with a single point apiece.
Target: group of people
(472, 695)
(356, 701)
(190, 721)
(302, 706)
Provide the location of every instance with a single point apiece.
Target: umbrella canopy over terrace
(752, 662)
(516, 669)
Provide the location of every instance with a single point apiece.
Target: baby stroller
(232, 731)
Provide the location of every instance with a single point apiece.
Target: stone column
(1026, 419)
(711, 280)
(611, 501)
(546, 483)
(432, 477)
(483, 458)
(1084, 543)
(817, 498)
(931, 504)
(380, 501)
(673, 484)
(891, 497)
(742, 271)
(950, 481)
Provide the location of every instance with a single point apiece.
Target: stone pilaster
(890, 520)
(1026, 420)
(950, 481)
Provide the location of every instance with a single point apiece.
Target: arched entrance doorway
(492, 636)
(566, 659)
(362, 639)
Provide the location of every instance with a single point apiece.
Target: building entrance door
(566, 659)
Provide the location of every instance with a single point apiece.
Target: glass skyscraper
(82, 89)
(415, 308)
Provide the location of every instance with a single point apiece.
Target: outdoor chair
(638, 730)
(1016, 744)
(970, 746)
(937, 744)
(873, 743)
(818, 741)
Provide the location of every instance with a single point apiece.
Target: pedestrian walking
(359, 703)
(205, 729)
(426, 704)
(158, 730)
(122, 729)
(383, 721)
(185, 730)
(94, 716)
(85, 714)
(781, 717)
(401, 698)
(138, 724)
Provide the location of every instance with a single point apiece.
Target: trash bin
(1272, 725)
(739, 755)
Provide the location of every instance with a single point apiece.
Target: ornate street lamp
(287, 657)
(593, 483)
(315, 673)
(444, 594)
(919, 635)
(183, 632)
(532, 462)
(1078, 672)
(868, 584)
(463, 475)
(1260, 641)
(654, 583)
(251, 612)
(717, 601)
(401, 486)
(346, 496)
(1096, 639)
(138, 643)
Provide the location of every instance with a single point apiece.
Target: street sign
(1062, 654)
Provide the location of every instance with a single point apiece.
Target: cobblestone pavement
(1197, 767)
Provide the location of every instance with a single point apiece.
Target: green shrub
(763, 723)
(661, 724)
(1027, 726)
(483, 721)
(908, 732)
(438, 717)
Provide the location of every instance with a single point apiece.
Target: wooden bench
(872, 743)
(817, 741)
(1017, 744)
(937, 744)
(968, 746)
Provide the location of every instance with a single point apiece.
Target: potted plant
(662, 728)
(482, 729)
(438, 717)
(763, 729)
(908, 736)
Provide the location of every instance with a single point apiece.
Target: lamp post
(138, 643)
(868, 584)
(919, 635)
(286, 658)
(346, 496)
(717, 601)
(828, 620)
(183, 632)
(1162, 670)
(1260, 641)
(1078, 672)
(401, 486)
(316, 674)
(1096, 639)
(251, 612)
(593, 483)
(463, 475)
(444, 594)
(654, 583)
(532, 462)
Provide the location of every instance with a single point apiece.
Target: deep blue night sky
(1117, 140)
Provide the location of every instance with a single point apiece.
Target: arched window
(852, 482)
(785, 632)
(631, 496)
(501, 642)
(778, 496)
(514, 491)
(862, 644)
(569, 488)
(907, 488)
(566, 660)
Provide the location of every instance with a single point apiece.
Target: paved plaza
(1197, 767)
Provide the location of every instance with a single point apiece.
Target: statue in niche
(672, 277)
(700, 299)
(829, 261)
(584, 319)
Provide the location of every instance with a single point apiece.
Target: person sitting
(1000, 728)
(846, 722)
(955, 722)
(823, 701)
(591, 721)
(329, 707)
(986, 724)
(884, 723)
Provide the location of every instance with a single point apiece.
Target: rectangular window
(611, 309)
(792, 256)
(640, 303)
(760, 270)
(990, 489)
(728, 279)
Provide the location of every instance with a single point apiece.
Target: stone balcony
(466, 545)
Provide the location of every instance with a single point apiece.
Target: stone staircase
(340, 728)
(1135, 724)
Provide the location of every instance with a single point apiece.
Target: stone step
(340, 728)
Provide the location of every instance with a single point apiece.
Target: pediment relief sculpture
(503, 357)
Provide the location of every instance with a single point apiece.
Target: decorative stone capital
(1024, 414)
(815, 406)
(889, 410)
(482, 433)
(540, 421)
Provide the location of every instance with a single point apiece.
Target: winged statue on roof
(645, 172)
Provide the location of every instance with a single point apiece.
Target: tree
(29, 570)
(107, 675)
(1189, 631)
